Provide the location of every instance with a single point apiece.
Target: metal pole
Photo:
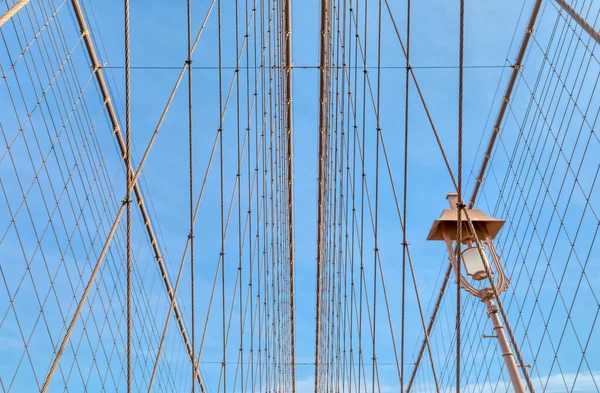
(12, 11)
(507, 354)
(580, 20)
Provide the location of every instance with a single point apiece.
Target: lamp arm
(503, 281)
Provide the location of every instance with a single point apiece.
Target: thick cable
(505, 100)
(12, 11)
(576, 17)
(458, 255)
(405, 197)
(128, 195)
(191, 192)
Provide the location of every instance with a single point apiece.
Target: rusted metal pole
(516, 68)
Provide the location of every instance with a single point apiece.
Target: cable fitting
(188, 62)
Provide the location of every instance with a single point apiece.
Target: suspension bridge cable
(321, 178)
(191, 192)
(506, 99)
(405, 197)
(128, 195)
(459, 236)
(376, 229)
(115, 124)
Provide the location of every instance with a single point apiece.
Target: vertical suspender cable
(363, 196)
(376, 229)
(239, 189)
(191, 207)
(404, 210)
(459, 188)
(220, 59)
(287, 15)
(128, 185)
(321, 175)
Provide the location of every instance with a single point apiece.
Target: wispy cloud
(579, 383)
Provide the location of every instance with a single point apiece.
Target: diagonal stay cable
(134, 187)
(506, 99)
(12, 11)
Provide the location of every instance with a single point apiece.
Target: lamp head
(448, 222)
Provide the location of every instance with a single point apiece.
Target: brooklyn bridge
(327, 196)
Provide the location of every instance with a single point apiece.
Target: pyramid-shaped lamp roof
(449, 219)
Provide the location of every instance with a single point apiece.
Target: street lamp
(475, 257)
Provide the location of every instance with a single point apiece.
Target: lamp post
(475, 257)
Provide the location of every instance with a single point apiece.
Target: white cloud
(585, 382)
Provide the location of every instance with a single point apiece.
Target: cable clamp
(188, 62)
(84, 32)
(529, 31)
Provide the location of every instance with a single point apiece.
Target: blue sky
(493, 31)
